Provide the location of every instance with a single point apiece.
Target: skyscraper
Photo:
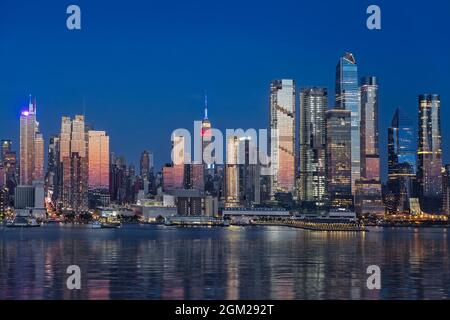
(313, 104)
(98, 166)
(232, 172)
(249, 173)
(429, 153)
(98, 146)
(338, 133)
(348, 98)
(368, 196)
(401, 163)
(74, 164)
(179, 162)
(52, 176)
(200, 170)
(282, 136)
(370, 157)
(38, 174)
(27, 144)
(145, 165)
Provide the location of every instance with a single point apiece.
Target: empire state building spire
(206, 107)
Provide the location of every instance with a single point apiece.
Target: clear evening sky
(141, 67)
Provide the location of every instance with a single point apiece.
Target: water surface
(161, 262)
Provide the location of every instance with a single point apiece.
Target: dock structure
(314, 225)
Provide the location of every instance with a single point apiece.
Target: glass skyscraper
(282, 136)
(338, 133)
(368, 196)
(429, 173)
(348, 98)
(312, 184)
(401, 162)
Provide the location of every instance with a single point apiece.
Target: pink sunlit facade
(98, 146)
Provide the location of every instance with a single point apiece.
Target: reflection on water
(159, 262)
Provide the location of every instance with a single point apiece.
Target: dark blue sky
(142, 66)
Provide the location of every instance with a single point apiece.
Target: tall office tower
(232, 172)
(145, 165)
(338, 133)
(313, 104)
(98, 165)
(282, 136)
(38, 174)
(446, 190)
(179, 162)
(348, 98)
(368, 195)
(52, 174)
(6, 146)
(168, 178)
(131, 185)
(202, 171)
(370, 157)
(401, 163)
(27, 144)
(74, 164)
(117, 178)
(249, 173)
(429, 153)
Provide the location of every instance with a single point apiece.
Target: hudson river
(160, 262)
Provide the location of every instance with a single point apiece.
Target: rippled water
(160, 262)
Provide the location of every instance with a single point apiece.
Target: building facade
(368, 194)
(402, 153)
(282, 136)
(429, 153)
(312, 180)
(348, 98)
(74, 164)
(338, 132)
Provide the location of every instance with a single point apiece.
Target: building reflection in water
(158, 262)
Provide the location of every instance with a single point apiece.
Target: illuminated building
(249, 173)
(168, 178)
(401, 163)
(446, 190)
(98, 165)
(429, 175)
(282, 136)
(312, 185)
(28, 128)
(74, 164)
(348, 98)
(232, 172)
(39, 158)
(118, 179)
(4, 197)
(6, 147)
(180, 157)
(338, 133)
(368, 195)
(52, 176)
(200, 171)
(145, 165)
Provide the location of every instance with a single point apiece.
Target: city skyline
(233, 62)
